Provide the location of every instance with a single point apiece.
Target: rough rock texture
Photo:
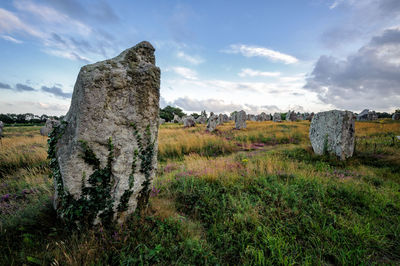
(367, 115)
(396, 116)
(104, 156)
(277, 117)
(177, 119)
(333, 132)
(251, 118)
(291, 116)
(202, 119)
(48, 127)
(240, 120)
(263, 117)
(212, 122)
(1, 128)
(189, 121)
(309, 117)
(222, 118)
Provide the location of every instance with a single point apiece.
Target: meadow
(257, 196)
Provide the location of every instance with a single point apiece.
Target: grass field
(255, 196)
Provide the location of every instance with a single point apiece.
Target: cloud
(248, 72)
(11, 39)
(195, 60)
(23, 87)
(5, 86)
(368, 78)
(56, 91)
(257, 51)
(187, 73)
(9, 23)
(33, 107)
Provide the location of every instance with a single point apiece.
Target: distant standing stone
(240, 120)
(333, 132)
(367, 115)
(212, 122)
(48, 127)
(177, 119)
(291, 116)
(104, 156)
(396, 116)
(1, 128)
(161, 121)
(277, 117)
(189, 121)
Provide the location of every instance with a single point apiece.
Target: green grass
(222, 200)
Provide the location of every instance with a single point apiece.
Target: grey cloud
(56, 91)
(213, 105)
(23, 87)
(369, 78)
(5, 86)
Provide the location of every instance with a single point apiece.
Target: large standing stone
(189, 121)
(277, 117)
(212, 122)
(333, 132)
(104, 156)
(48, 127)
(1, 128)
(240, 120)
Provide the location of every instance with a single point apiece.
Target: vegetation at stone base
(168, 112)
(253, 196)
(195, 115)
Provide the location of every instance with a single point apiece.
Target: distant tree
(283, 116)
(168, 113)
(384, 115)
(195, 115)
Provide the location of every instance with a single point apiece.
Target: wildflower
(5, 197)
(154, 191)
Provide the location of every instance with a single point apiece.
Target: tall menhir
(104, 154)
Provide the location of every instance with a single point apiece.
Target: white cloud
(9, 22)
(195, 60)
(248, 72)
(185, 72)
(11, 39)
(257, 51)
(335, 4)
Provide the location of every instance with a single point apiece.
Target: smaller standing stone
(177, 119)
(48, 127)
(240, 120)
(333, 132)
(1, 128)
(291, 116)
(189, 121)
(396, 116)
(212, 122)
(277, 117)
(161, 121)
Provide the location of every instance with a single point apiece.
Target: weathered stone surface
(240, 120)
(222, 118)
(104, 156)
(309, 117)
(212, 122)
(367, 115)
(263, 117)
(177, 119)
(48, 127)
(396, 116)
(189, 121)
(1, 128)
(277, 117)
(251, 117)
(161, 121)
(333, 132)
(291, 116)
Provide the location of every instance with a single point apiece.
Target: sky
(220, 56)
